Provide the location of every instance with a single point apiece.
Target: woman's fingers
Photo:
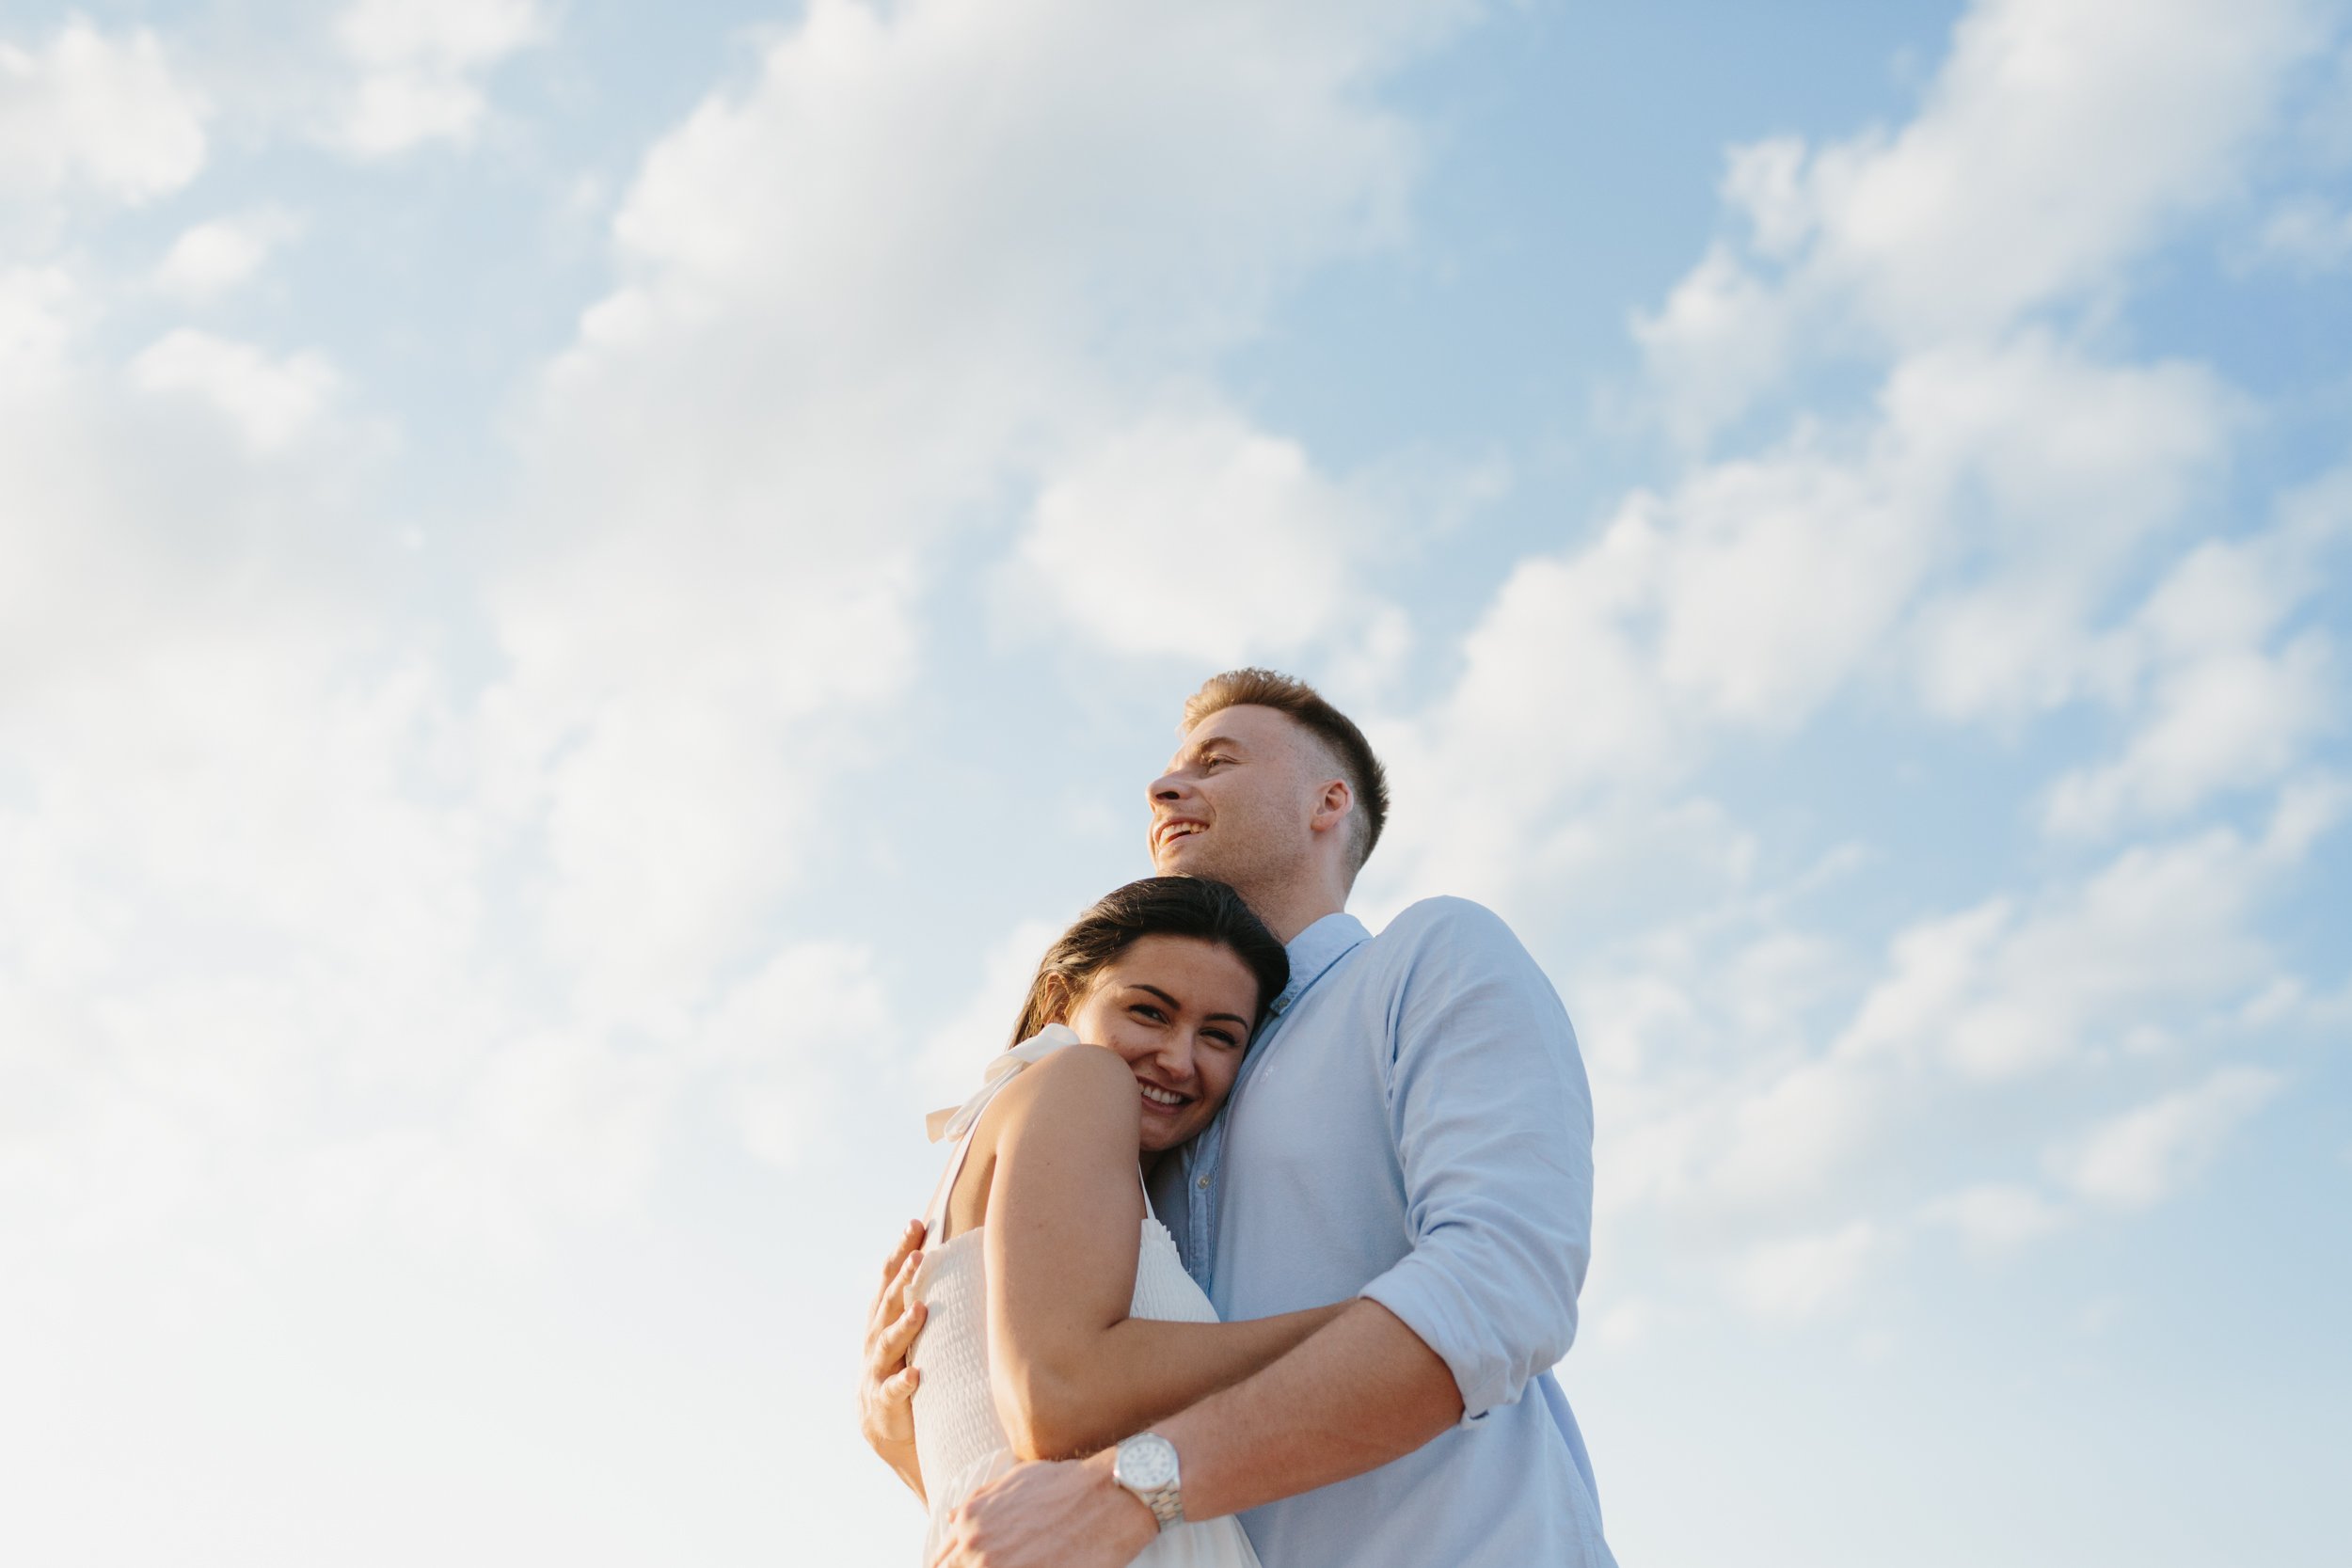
(909, 1239)
(900, 1387)
(888, 1336)
(900, 1336)
(891, 1299)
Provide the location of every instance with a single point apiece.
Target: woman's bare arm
(1073, 1371)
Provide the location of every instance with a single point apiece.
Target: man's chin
(1179, 861)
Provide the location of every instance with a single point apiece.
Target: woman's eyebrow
(1231, 1017)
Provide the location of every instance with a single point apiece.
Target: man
(1411, 1131)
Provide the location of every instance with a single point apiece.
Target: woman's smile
(1178, 1012)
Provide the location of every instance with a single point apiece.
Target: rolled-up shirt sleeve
(1492, 1118)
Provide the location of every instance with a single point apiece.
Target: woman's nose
(1176, 1054)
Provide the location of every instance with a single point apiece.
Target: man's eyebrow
(1225, 741)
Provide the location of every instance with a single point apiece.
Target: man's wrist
(1145, 1524)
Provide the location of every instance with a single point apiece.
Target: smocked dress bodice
(957, 1438)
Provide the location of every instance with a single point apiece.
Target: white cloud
(420, 64)
(2063, 473)
(1196, 535)
(2145, 1155)
(2308, 235)
(1807, 1276)
(271, 403)
(792, 1038)
(2042, 159)
(104, 112)
(867, 296)
(2162, 931)
(1997, 1217)
(38, 310)
(2225, 709)
(1961, 539)
(2230, 721)
(215, 256)
(955, 1054)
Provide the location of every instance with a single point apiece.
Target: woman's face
(1177, 1010)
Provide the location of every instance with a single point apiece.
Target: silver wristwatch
(1146, 1465)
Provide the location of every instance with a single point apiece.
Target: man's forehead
(1242, 724)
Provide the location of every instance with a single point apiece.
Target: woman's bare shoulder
(1079, 1081)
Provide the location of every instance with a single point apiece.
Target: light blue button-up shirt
(1413, 1125)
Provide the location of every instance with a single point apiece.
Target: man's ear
(1331, 806)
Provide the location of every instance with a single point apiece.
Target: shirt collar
(1315, 950)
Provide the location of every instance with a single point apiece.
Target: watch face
(1147, 1463)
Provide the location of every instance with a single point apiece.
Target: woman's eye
(1145, 1009)
(1217, 1037)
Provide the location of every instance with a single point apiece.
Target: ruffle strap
(955, 1120)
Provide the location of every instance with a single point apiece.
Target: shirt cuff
(1442, 1316)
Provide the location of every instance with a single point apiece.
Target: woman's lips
(1169, 1106)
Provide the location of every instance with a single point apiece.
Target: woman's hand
(885, 1394)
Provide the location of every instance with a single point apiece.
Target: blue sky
(581, 589)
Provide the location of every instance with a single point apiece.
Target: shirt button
(1204, 1183)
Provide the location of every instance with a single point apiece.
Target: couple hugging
(1091, 1351)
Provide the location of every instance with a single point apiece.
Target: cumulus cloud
(956, 1051)
(2307, 235)
(2042, 159)
(2017, 521)
(2233, 694)
(2141, 1157)
(420, 63)
(2162, 931)
(790, 1039)
(865, 296)
(271, 402)
(1198, 536)
(215, 256)
(1958, 542)
(95, 112)
(1807, 1276)
(1998, 1217)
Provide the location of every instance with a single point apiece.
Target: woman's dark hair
(1154, 907)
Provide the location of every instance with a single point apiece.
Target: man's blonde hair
(1337, 732)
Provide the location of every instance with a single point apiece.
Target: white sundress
(961, 1442)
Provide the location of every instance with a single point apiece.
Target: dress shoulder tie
(956, 1120)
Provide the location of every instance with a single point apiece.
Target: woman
(1056, 1315)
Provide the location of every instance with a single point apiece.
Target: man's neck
(1287, 914)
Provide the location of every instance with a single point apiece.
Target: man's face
(1236, 799)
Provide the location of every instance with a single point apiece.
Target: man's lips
(1174, 827)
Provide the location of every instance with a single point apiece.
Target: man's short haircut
(1288, 694)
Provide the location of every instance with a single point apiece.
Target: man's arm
(1492, 1124)
(1360, 1391)
(1071, 1370)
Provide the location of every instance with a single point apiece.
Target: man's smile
(1173, 828)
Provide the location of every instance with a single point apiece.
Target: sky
(582, 587)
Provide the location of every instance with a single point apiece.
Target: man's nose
(1168, 787)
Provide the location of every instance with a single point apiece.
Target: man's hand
(886, 1392)
(1069, 1514)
